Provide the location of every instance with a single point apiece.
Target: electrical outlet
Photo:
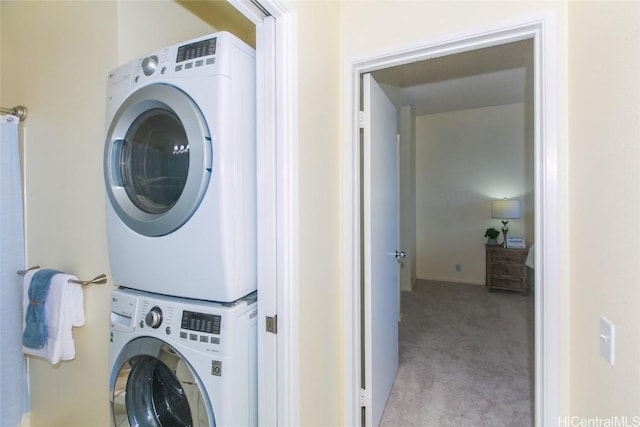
(457, 268)
(607, 340)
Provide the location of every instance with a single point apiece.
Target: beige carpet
(466, 358)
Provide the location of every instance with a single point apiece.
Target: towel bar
(19, 111)
(98, 280)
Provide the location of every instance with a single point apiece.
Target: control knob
(149, 65)
(154, 318)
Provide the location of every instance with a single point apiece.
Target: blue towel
(35, 329)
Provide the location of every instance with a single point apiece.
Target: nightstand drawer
(508, 269)
(507, 282)
(507, 257)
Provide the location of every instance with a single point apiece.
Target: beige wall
(319, 157)
(463, 160)
(145, 26)
(57, 68)
(604, 118)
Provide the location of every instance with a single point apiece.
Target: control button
(211, 61)
(183, 335)
(188, 65)
(179, 67)
(149, 65)
(154, 317)
(215, 340)
(204, 338)
(193, 337)
(164, 70)
(137, 79)
(142, 323)
(168, 330)
(199, 63)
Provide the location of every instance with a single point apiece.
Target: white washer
(180, 170)
(180, 362)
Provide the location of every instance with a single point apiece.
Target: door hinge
(272, 324)
(363, 407)
(361, 119)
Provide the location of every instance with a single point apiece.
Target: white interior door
(380, 234)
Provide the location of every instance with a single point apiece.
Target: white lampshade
(505, 209)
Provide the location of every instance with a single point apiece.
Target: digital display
(196, 50)
(200, 322)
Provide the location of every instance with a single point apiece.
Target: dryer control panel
(196, 50)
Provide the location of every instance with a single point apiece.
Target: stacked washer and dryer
(180, 175)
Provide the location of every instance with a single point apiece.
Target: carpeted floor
(466, 358)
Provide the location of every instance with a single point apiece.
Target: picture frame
(515, 242)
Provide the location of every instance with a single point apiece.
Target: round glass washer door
(157, 160)
(154, 386)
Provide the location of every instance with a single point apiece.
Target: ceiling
(491, 76)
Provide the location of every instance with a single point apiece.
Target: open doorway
(466, 137)
(545, 209)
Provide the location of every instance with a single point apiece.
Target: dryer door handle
(114, 162)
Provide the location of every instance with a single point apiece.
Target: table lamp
(505, 209)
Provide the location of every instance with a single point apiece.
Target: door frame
(277, 165)
(551, 304)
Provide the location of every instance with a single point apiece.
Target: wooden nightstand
(506, 269)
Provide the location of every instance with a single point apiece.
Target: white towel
(64, 309)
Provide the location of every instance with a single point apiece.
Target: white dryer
(179, 362)
(180, 170)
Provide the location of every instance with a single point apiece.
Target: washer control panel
(199, 325)
(200, 322)
(193, 326)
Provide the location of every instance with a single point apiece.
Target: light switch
(607, 340)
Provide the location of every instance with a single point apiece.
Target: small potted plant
(492, 236)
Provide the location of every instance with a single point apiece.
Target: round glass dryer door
(153, 386)
(157, 161)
